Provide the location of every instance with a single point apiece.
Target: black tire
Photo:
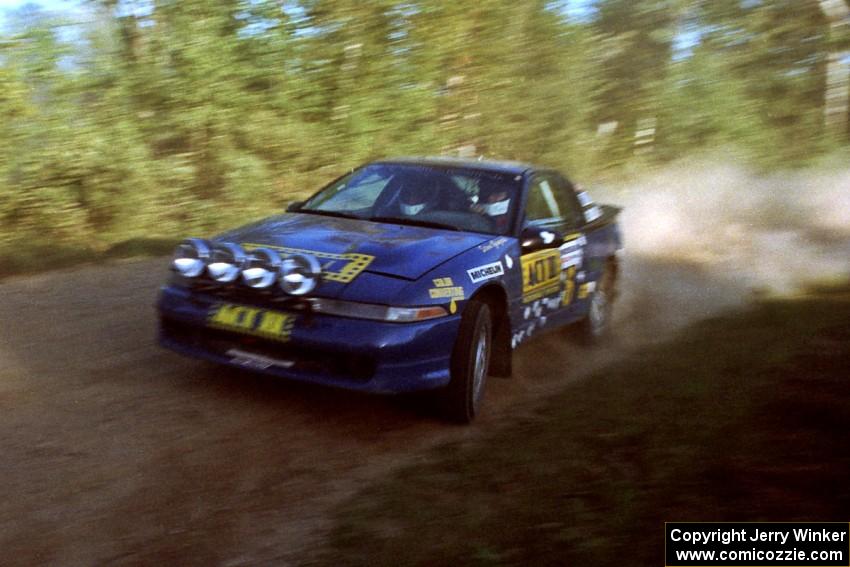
(470, 364)
(595, 328)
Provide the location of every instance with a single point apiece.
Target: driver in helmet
(493, 202)
(415, 199)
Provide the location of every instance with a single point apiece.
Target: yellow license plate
(263, 323)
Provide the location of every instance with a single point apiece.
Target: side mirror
(535, 238)
(294, 206)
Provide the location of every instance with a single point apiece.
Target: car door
(544, 279)
(573, 250)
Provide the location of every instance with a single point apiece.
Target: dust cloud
(773, 233)
(703, 237)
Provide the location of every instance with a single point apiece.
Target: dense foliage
(138, 118)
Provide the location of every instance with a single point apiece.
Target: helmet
(414, 198)
(493, 198)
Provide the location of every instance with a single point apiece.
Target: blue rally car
(403, 275)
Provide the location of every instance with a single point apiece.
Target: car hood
(390, 249)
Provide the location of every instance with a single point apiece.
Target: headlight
(300, 274)
(191, 257)
(261, 268)
(377, 312)
(226, 261)
(410, 314)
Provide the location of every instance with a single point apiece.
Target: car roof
(500, 166)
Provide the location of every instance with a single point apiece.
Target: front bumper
(356, 354)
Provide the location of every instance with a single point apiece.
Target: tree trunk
(837, 97)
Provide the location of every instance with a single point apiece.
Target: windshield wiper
(329, 213)
(413, 222)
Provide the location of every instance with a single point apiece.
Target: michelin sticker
(486, 272)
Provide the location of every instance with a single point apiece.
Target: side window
(570, 207)
(542, 203)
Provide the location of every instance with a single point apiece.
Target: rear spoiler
(596, 215)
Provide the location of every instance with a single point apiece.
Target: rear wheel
(596, 326)
(470, 363)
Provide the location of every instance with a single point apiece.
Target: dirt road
(115, 451)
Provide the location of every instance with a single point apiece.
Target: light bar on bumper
(261, 269)
(191, 257)
(300, 274)
(376, 312)
(226, 262)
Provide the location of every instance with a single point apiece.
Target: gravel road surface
(118, 452)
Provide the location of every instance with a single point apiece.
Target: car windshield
(451, 197)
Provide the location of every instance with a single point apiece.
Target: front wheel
(470, 363)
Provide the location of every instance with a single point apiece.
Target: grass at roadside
(27, 259)
(744, 417)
